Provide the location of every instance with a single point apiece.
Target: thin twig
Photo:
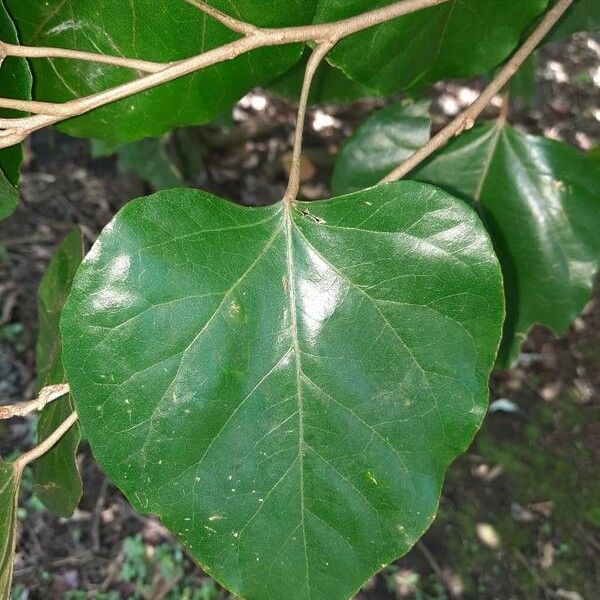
(548, 593)
(54, 109)
(46, 395)
(68, 561)
(315, 59)
(466, 119)
(95, 520)
(433, 563)
(17, 129)
(48, 443)
(228, 21)
(504, 108)
(118, 61)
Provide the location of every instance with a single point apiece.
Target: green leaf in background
(455, 39)
(103, 148)
(329, 84)
(540, 200)
(58, 484)
(584, 15)
(147, 158)
(286, 387)
(15, 82)
(155, 31)
(9, 196)
(522, 86)
(10, 480)
(381, 143)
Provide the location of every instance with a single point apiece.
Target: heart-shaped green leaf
(286, 386)
(455, 39)
(58, 483)
(15, 81)
(157, 31)
(540, 201)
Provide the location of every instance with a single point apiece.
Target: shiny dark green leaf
(9, 197)
(522, 86)
(540, 200)
(583, 15)
(162, 31)
(58, 484)
(380, 144)
(10, 480)
(163, 163)
(286, 387)
(149, 160)
(15, 82)
(329, 84)
(103, 149)
(455, 39)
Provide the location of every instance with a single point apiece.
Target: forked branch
(17, 129)
(46, 395)
(48, 443)
(13, 131)
(228, 21)
(117, 61)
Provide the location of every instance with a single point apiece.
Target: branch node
(46, 395)
(46, 444)
(467, 123)
(324, 34)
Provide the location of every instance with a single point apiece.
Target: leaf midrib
(291, 289)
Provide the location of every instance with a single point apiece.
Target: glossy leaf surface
(58, 484)
(286, 387)
(455, 39)
(10, 480)
(154, 31)
(540, 200)
(381, 143)
(15, 82)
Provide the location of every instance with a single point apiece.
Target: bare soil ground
(520, 512)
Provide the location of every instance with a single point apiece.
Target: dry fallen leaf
(520, 513)
(307, 167)
(487, 473)
(567, 595)
(542, 508)
(547, 556)
(406, 582)
(488, 535)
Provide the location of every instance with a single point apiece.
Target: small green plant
(286, 386)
